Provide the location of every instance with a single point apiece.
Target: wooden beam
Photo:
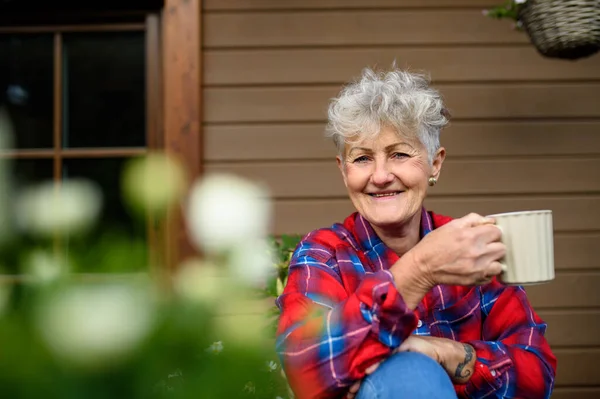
(182, 49)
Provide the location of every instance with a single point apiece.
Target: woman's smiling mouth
(387, 194)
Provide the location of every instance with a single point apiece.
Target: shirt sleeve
(327, 336)
(514, 359)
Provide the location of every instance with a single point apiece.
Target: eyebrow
(389, 147)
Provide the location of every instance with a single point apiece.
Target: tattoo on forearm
(460, 369)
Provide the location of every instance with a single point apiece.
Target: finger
(354, 388)
(406, 345)
(492, 252)
(495, 269)
(371, 369)
(474, 219)
(484, 280)
(487, 233)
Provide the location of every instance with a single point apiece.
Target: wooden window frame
(182, 105)
(173, 105)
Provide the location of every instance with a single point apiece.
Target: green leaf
(290, 242)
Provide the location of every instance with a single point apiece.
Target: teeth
(384, 195)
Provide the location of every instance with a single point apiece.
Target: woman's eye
(364, 158)
(399, 155)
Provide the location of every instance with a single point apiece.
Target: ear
(342, 168)
(438, 160)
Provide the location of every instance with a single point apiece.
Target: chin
(386, 218)
(382, 220)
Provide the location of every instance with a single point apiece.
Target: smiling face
(387, 177)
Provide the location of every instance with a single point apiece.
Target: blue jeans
(407, 375)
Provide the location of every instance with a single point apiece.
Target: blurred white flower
(96, 325)
(271, 366)
(225, 211)
(250, 387)
(153, 182)
(70, 207)
(45, 267)
(252, 260)
(215, 347)
(200, 282)
(520, 1)
(176, 374)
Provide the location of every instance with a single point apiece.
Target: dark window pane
(32, 171)
(24, 173)
(26, 87)
(118, 242)
(104, 82)
(107, 174)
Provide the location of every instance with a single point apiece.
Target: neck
(401, 239)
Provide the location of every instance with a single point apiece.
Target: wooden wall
(525, 133)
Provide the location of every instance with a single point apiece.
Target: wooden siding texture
(525, 132)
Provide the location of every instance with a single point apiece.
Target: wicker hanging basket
(568, 29)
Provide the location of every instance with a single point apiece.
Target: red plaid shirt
(341, 313)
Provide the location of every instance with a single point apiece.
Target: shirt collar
(372, 245)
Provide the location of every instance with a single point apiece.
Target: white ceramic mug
(529, 240)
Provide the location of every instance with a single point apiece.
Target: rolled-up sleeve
(514, 359)
(327, 336)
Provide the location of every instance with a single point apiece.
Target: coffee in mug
(529, 240)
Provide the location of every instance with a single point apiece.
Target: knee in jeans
(410, 375)
(414, 366)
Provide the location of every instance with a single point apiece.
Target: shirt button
(493, 373)
(419, 324)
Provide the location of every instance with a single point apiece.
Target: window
(79, 98)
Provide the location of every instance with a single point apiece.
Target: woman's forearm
(409, 282)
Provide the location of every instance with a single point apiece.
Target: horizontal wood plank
(577, 392)
(347, 27)
(572, 328)
(576, 251)
(507, 176)
(579, 213)
(461, 138)
(575, 289)
(577, 367)
(478, 101)
(336, 66)
(232, 5)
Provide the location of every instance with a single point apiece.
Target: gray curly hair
(399, 99)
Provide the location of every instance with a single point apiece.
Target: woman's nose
(381, 174)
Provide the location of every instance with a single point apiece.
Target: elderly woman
(397, 301)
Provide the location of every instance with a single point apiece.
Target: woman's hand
(356, 386)
(458, 359)
(465, 251)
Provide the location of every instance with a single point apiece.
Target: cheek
(414, 174)
(356, 177)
